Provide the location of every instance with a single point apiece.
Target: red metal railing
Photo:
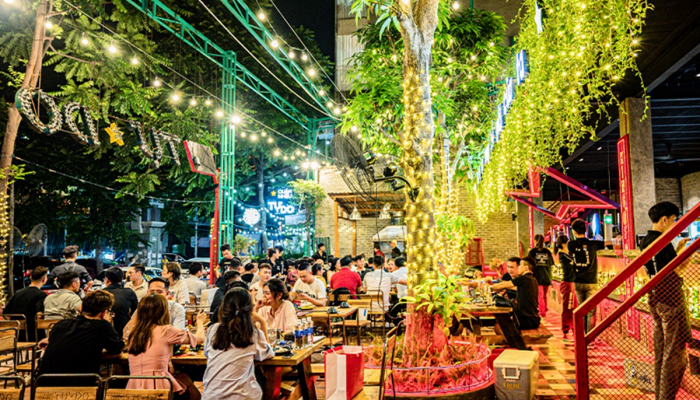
(582, 339)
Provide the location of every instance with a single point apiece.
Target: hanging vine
(583, 50)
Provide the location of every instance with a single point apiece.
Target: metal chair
(138, 394)
(16, 393)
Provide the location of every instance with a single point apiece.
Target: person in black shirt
(125, 301)
(525, 307)
(668, 306)
(513, 264)
(249, 274)
(75, 345)
(29, 301)
(543, 271)
(320, 254)
(226, 262)
(566, 288)
(228, 277)
(584, 253)
(395, 251)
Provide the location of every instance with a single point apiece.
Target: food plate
(306, 308)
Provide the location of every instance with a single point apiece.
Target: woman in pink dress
(151, 343)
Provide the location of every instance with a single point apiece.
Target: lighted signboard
(608, 218)
(280, 201)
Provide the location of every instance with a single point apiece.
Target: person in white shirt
(264, 274)
(178, 287)
(402, 272)
(136, 282)
(380, 281)
(194, 281)
(309, 289)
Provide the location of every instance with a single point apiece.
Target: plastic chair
(138, 394)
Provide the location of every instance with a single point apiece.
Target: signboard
(281, 201)
(627, 224)
(608, 218)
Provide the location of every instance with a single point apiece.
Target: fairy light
(112, 48)
(321, 92)
(311, 72)
(236, 119)
(219, 113)
(48, 24)
(207, 102)
(291, 54)
(275, 44)
(134, 60)
(193, 102)
(304, 57)
(455, 5)
(84, 40)
(261, 16)
(175, 97)
(156, 82)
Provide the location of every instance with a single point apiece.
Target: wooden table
(321, 314)
(503, 319)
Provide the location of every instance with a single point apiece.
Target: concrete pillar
(641, 160)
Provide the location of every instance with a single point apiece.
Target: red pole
(581, 356)
(214, 241)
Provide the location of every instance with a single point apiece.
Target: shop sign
(626, 210)
(281, 201)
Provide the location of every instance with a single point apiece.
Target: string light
(236, 119)
(275, 44)
(175, 97)
(291, 54)
(312, 72)
(84, 40)
(156, 82)
(48, 24)
(134, 60)
(219, 113)
(112, 48)
(9, 1)
(455, 5)
(261, 16)
(193, 102)
(321, 92)
(207, 102)
(304, 57)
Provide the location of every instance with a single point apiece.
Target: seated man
(264, 275)
(75, 345)
(512, 272)
(526, 305)
(309, 289)
(29, 301)
(346, 278)
(194, 282)
(135, 281)
(381, 281)
(65, 303)
(250, 273)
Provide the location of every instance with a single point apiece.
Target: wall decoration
(88, 134)
(115, 134)
(24, 101)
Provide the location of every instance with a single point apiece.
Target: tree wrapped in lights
(578, 55)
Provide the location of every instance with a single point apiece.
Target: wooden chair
(8, 393)
(377, 312)
(8, 348)
(16, 317)
(67, 392)
(363, 303)
(43, 324)
(138, 394)
(193, 299)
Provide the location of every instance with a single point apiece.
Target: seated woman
(274, 308)
(151, 341)
(232, 346)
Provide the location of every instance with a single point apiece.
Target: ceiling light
(355, 215)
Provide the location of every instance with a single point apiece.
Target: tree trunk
(261, 203)
(418, 26)
(11, 245)
(31, 79)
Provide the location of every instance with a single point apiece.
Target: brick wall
(499, 233)
(668, 189)
(690, 186)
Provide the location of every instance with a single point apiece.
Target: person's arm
(201, 334)
(133, 302)
(262, 324)
(263, 350)
(290, 317)
(317, 302)
(502, 286)
(178, 317)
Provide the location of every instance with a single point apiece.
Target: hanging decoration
(88, 134)
(156, 137)
(115, 134)
(24, 101)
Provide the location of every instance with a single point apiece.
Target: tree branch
(73, 58)
(396, 142)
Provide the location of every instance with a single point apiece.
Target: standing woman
(150, 343)
(231, 348)
(542, 272)
(566, 289)
(178, 286)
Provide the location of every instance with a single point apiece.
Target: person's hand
(201, 317)
(303, 296)
(44, 343)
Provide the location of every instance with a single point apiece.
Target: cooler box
(517, 373)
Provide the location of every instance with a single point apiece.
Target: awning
(392, 232)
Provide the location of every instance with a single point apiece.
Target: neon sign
(280, 201)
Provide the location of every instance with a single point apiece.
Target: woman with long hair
(150, 343)
(275, 308)
(542, 272)
(566, 289)
(178, 287)
(232, 346)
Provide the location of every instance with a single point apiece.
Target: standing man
(71, 254)
(125, 301)
(264, 274)
(194, 281)
(668, 306)
(567, 284)
(29, 301)
(135, 280)
(226, 262)
(320, 253)
(65, 303)
(584, 252)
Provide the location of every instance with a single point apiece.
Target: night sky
(317, 15)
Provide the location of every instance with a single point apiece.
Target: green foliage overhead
(587, 46)
(308, 195)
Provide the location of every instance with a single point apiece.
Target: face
(268, 296)
(227, 254)
(666, 222)
(75, 286)
(157, 288)
(128, 273)
(513, 269)
(322, 249)
(166, 273)
(306, 277)
(361, 263)
(241, 270)
(523, 268)
(265, 274)
(391, 266)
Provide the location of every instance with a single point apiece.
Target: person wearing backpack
(584, 253)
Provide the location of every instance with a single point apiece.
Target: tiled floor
(557, 372)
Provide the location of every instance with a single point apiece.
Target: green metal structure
(233, 72)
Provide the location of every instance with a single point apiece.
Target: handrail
(582, 339)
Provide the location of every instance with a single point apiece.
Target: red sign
(531, 219)
(626, 210)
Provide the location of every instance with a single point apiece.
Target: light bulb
(242, 133)
(304, 57)
(49, 24)
(291, 54)
(314, 165)
(135, 61)
(305, 165)
(455, 5)
(336, 111)
(312, 72)
(219, 113)
(9, 1)
(156, 82)
(353, 128)
(84, 41)
(175, 97)
(275, 44)
(276, 153)
(321, 92)
(261, 16)
(254, 137)
(236, 119)
(269, 140)
(329, 104)
(263, 133)
(207, 102)
(112, 49)
(193, 102)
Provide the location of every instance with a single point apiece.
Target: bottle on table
(298, 335)
(311, 331)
